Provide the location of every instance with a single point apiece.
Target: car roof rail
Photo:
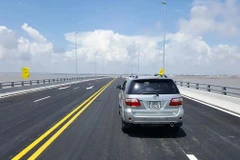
(163, 76)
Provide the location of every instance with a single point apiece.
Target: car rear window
(153, 86)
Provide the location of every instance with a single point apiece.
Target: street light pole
(103, 65)
(138, 58)
(76, 53)
(95, 63)
(131, 69)
(164, 36)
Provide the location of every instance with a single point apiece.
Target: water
(219, 81)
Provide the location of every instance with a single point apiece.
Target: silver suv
(151, 100)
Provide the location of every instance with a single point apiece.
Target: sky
(202, 36)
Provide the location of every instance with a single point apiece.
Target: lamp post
(164, 35)
(103, 65)
(76, 53)
(131, 69)
(138, 57)
(95, 63)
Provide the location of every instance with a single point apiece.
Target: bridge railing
(5, 85)
(225, 90)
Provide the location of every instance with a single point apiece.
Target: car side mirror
(119, 87)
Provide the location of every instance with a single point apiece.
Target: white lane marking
(38, 89)
(191, 157)
(91, 87)
(62, 88)
(75, 88)
(215, 107)
(42, 99)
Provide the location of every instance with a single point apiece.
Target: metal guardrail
(36, 82)
(231, 91)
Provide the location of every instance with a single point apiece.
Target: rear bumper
(129, 117)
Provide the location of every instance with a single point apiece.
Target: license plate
(154, 105)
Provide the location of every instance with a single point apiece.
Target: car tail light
(176, 102)
(133, 102)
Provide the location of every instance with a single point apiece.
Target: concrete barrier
(224, 103)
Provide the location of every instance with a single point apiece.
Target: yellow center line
(33, 144)
(47, 143)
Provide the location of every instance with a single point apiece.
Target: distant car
(132, 76)
(150, 100)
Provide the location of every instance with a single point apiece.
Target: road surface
(94, 130)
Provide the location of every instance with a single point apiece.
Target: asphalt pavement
(94, 131)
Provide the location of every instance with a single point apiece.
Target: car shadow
(155, 132)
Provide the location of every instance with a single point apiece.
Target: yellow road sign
(25, 72)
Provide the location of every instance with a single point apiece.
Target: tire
(119, 110)
(126, 127)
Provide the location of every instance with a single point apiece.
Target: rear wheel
(126, 126)
(119, 108)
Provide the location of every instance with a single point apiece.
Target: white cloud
(113, 46)
(21, 51)
(8, 42)
(33, 33)
(224, 52)
(7, 37)
(190, 51)
(213, 16)
(34, 49)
